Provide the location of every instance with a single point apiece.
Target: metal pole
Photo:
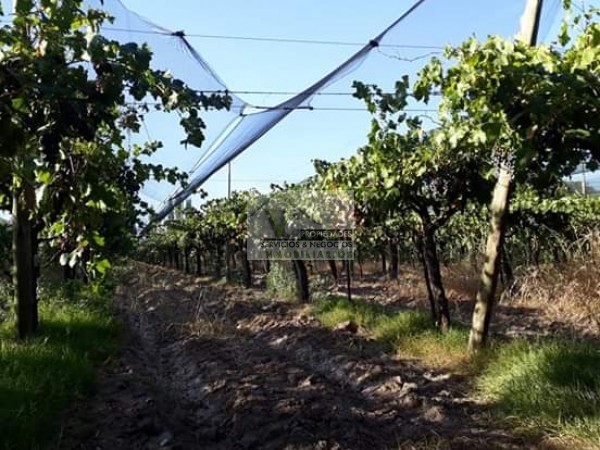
(229, 179)
(530, 22)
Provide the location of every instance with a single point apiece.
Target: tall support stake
(24, 245)
(229, 179)
(227, 244)
(24, 276)
(482, 313)
(348, 280)
(349, 277)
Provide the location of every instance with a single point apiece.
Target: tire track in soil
(210, 367)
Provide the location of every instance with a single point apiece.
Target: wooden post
(482, 313)
(348, 280)
(227, 243)
(24, 275)
(24, 251)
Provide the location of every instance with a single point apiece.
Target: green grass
(410, 333)
(554, 386)
(41, 376)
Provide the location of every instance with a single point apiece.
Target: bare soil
(215, 367)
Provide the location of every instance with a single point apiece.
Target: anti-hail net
(400, 49)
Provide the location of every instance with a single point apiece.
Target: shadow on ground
(223, 368)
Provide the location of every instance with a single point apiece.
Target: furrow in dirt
(222, 368)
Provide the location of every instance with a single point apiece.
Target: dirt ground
(215, 367)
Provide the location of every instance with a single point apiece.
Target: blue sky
(285, 153)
